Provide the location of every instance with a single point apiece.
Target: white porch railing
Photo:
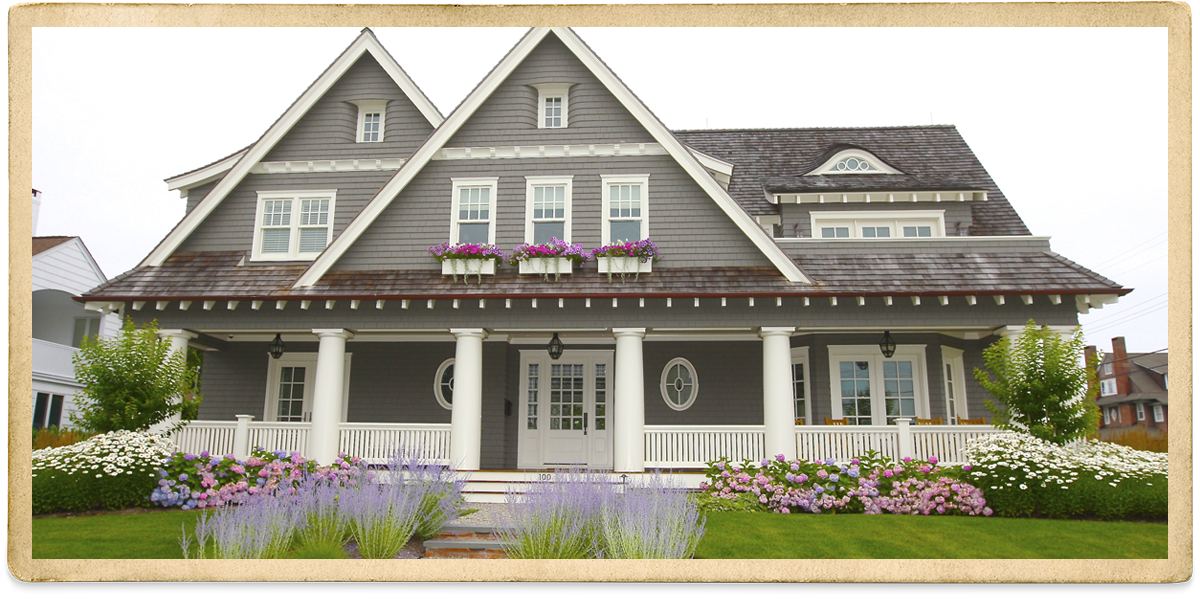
(377, 442)
(690, 446)
(273, 436)
(843, 442)
(214, 437)
(374, 442)
(945, 441)
(53, 359)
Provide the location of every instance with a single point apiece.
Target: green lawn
(768, 535)
(730, 535)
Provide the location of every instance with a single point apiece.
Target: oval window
(678, 384)
(443, 384)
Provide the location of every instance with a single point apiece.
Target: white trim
(871, 354)
(309, 361)
(366, 107)
(1141, 411)
(605, 220)
(897, 220)
(550, 151)
(800, 356)
(437, 383)
(1159, 416)
(552, 90)
(203, 175)
(879, 167)
(948, 239)
(1108, 387)
(364, 43)
(458, 183)
(877, 197)
(531, 443)
(662, 384)
(485, 89)
(345, 165)
(296, 197)
(548, 180)
(953, 358)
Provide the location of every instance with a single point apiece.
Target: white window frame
(1108, 387)
(437, 384)
(1141, 411)
(871, 354)
(662, 384)
(800, 357)
(543, 181)
(828, 167)
(307, 360)
(552, 90)
(1107, 368)
(896, 219)
(955, 390)
(1159, 417)
(366, 107)
(295, 197)
(473, 182)
(1107, 419)
(610, 180)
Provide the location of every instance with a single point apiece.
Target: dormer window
(853, 161)
(552, 105)
(293, 225)
(371, 116)
(844, 224)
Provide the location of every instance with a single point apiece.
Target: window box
(469, 266)
(623, 265)
(545, 266)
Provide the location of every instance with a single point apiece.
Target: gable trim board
(363, 44)
(686, 159)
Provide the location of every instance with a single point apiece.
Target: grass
(730, 535)
(768, 535)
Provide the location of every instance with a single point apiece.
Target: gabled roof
(931, 158)
(475, 99)
(42, 244)
(366, 42)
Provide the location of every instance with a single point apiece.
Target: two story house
(805, 276)
(1133, 389)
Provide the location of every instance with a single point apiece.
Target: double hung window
(1141, 412)
(625, 207)
(547, 209)
(1158, 413)
(1108, 387)
(293, 225)
(868, 389)
(473, 210)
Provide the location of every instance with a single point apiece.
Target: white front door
(290, 382)
(565, 406)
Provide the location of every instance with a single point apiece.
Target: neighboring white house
(62, 269)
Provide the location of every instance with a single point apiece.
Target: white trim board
(364, 43)
(476, 98)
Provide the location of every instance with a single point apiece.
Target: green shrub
(1023, 476)
(742, 503)
(111, 471)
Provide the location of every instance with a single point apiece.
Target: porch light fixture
(276, 347)
(555, 347)
(887, 345)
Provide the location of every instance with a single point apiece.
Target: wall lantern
(555, 347)
(887, 345)
(276, 347)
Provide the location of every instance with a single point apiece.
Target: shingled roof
(931, 158)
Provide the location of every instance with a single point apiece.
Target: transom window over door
(625, 207)
(293, 225)
(474, 214)
(547, 209)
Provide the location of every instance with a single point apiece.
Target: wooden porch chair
(799, 420)
(829, 421)
(979, 421)
(936, 421)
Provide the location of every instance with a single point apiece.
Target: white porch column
(466, 412)
(629, 402)
(179, 343)
(327, 395)
(778, 414)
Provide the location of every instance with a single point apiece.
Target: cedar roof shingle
(44, 243)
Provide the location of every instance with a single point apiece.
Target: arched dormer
(853, 161)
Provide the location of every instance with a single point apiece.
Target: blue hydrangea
(830, 462)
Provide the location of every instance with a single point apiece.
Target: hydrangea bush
(865, 485)
(1026, 476)
(202, 480)
(112, 471)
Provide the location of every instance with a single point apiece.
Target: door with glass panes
(290, 388)
(870, 389)
(565, 409)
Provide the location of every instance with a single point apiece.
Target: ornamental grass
(263, 527)
(1138, 438)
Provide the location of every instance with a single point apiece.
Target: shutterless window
(293, 226)
(474, 215)
(918, 231)
(552, 111)
(549, 213)
(291, 394)
(1158, 414)
(835, 232)
(85, 326)
(856, 391)
(626, 210)
(47, 403)
(1141, 412)
(876, 232)
(371, 126)
(798, 395)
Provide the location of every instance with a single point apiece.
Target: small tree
(1041, 385)
(132, 381)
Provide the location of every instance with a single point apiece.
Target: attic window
(552, 105)
(371, 117)
(293, 225)
(853, 161)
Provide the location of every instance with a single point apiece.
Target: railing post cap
(244, 417)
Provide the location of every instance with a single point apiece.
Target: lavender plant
(383, 516)
(260, 528)
(322, 519)
(653, 519)
(439, 488)
(556, 519)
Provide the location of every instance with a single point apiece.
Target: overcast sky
(1071, 123)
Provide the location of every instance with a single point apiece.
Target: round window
(678, 384)
(443, 383)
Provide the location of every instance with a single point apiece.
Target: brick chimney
(1120, 365)
(1089, 352)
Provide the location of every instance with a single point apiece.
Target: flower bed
(1025, 476)
(112, 471)
(866, 485)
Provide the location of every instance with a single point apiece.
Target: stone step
(465, 541)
